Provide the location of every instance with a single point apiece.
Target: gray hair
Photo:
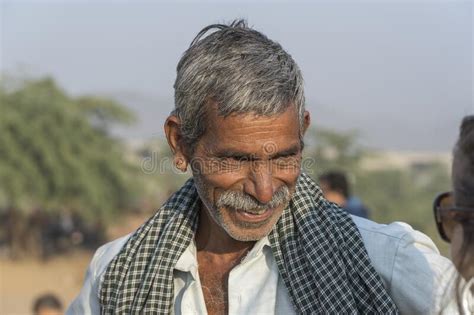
(239, 69)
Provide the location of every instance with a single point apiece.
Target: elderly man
(250, 233)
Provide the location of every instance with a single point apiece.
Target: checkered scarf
(318, 249)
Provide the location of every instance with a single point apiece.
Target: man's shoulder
(104, 254)
(394, 231)
(382, 242)
(87, 302)
(394, 237)
(386, 243)
(408, 262)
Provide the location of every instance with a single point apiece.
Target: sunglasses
(447, 215)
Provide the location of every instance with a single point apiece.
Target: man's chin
(248, 237)
(248, 233)
(246, 230)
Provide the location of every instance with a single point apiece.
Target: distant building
(417, 161)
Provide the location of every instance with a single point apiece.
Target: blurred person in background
(454, 215)
(336, 188)
(47, 304)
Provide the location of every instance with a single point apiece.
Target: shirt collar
(257, 249)
(188, 260)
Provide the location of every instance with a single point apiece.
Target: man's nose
(261, 186)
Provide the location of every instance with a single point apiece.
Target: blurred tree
(56, 154)
(162, 178)
(335, 150)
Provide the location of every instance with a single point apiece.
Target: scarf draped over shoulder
(318, 249)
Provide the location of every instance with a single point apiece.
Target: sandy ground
(22, 281)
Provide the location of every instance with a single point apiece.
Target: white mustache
(242, 201)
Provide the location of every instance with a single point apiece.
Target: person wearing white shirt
(250, 232)
(397, 251)
(454, 216)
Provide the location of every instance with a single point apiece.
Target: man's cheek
(224, 181)
(215, 166)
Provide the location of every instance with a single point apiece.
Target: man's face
(245, 169)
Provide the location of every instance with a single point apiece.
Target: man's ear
(175, 141)
(306, 121)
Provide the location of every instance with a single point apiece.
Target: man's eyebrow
(233, 154)
(250, 156)
(287, 152)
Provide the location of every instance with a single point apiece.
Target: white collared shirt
(254, 286)
(408, 262)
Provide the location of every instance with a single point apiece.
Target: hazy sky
(400, 71)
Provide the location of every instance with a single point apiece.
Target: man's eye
(239, 158)
(287, 161)
(286, 157)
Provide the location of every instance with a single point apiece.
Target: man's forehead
(251, 122)
(251, 128)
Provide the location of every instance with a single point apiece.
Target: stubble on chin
(237, 229)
